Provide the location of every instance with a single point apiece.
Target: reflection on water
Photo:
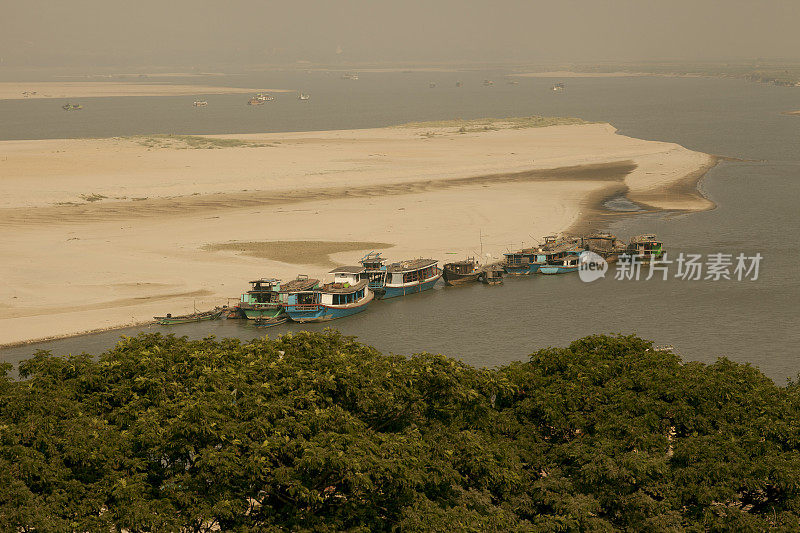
(753, 322)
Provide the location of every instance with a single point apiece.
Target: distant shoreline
(97, 89)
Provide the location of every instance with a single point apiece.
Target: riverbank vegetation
(318, 432)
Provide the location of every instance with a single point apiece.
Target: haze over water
(747, 321)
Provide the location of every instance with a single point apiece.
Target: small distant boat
(200, 103)
(265, 97)
(521, 263)
(303, 96)
(560, 255)
(488, 83)
(513, 82)
(459, 84)
(460, 272)
(213, 314)
(255, 101)
(561, 265)
(431, 85)
(346, 296)
(645, 248)
(559, 87)
(492, 275)
(349, 76)
(605, 245)
(72, 107)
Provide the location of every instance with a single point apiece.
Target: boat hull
(259, 312)
(451, 278)
(557, 269)
(324, 313)
(172, 320)
(522, 269)
(394, 292)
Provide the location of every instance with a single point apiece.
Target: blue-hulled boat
(373, 269)
(397, 279)
(521, 263)
(561, 256)
(344, 297)
(562, 265)
(410, 276)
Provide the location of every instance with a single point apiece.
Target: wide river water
(748, 321)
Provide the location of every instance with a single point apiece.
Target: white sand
(117, 261)
(91, 89)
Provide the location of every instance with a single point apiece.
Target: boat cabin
(302, 284)
(262, 291)
(645, 246)
(374, 270)
(411, 271)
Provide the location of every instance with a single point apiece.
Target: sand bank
(91, 89)
(617, 74)
(108, 232)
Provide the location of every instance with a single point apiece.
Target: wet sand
(103, 233)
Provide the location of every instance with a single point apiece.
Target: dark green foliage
(317, 432)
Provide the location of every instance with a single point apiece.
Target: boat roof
(300, 284)
(355, 269)
(602, 236)
(265, 280)
(372, 257)
(469, 261)
(343, 288)
(645, 237)
(410, 264)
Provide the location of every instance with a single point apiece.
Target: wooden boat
(459, 272)
(200, 103)
(605, 245)
(270, 322)
(213, 314)
(561, 265)
(262, 301)
(522, 262)
(492, 275)
(72, 107)
(561, 256)
(645, 248)
(410, 276)
(330, 301)
(303, 96)
(374, 271)
(255, 101)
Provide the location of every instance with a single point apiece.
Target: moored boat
(262, 301)
(491, 275)
(645, 248)
(521, 263)
(605, 245)
(374, 271)
(561, 265)
(560, 255)
(459, 272)
(202, 316)
(410, 277)
(329, 301)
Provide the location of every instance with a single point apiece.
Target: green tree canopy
(318, 432)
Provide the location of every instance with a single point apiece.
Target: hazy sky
(239, 32)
